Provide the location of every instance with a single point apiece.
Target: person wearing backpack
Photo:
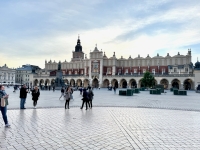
(67, 97)
(90, 96)
(62, 92)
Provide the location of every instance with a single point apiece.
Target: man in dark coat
(23, 95)
(85, 99)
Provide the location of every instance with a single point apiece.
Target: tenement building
(24, 74)
(7, 75)
(99, 70)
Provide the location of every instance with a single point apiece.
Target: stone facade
(7, 75)
(100, 71)
(24, 74)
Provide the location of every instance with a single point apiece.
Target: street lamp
(21, 80)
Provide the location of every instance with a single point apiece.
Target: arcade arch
(175, 83)
(106, 83)
(72, 82)
(66, 82)
(140, 83)
(41, 82)
(114, 82)
(47, 82)
(133, 83)
(52, 82)
(35, 82)
(95, 83)
(123, 83)
(86, 82)
(188, 84)
(79, 82)
(164, 82)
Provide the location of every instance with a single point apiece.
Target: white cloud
(125, 34)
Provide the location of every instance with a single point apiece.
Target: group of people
(87, 98)
(23, 94)
(87, 95)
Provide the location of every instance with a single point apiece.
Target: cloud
(32, 31)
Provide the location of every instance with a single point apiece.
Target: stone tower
(78, 53)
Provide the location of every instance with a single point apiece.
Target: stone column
(138, 84)
(169, 85)
(101, 72)
(113, 70)
(181, 86)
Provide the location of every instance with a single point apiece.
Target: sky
(34, 31)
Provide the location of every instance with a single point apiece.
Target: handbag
(3, 103)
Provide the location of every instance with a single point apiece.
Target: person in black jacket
(62, 92)
(85, 99)
(90, 96)
(35, 96)
(23, 95)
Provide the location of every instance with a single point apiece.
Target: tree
(148, 80)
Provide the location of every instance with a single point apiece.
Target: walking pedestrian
(114, 88)
(53, 88)
(90, 96)
(35, 96)
(23, 95)
(81, 90)
(14, 88)
(49, 88)
(71, 93)
(67, 97)
(62, 92)
(85, 99)
(3, 107)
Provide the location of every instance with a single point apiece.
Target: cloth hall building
(99, 70)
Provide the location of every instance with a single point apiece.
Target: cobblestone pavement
(103, 97)
(119, 122)
(105, 128)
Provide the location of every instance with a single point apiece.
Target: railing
(120, 75)
(53, 76)
(156, 75)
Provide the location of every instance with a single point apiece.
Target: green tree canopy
(148, 80)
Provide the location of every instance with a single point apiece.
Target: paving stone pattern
(119, 122)
(101, 128)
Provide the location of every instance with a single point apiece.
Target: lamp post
(21, 80)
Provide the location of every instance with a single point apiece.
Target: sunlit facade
(99, 70)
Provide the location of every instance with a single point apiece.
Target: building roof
(28, 68)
